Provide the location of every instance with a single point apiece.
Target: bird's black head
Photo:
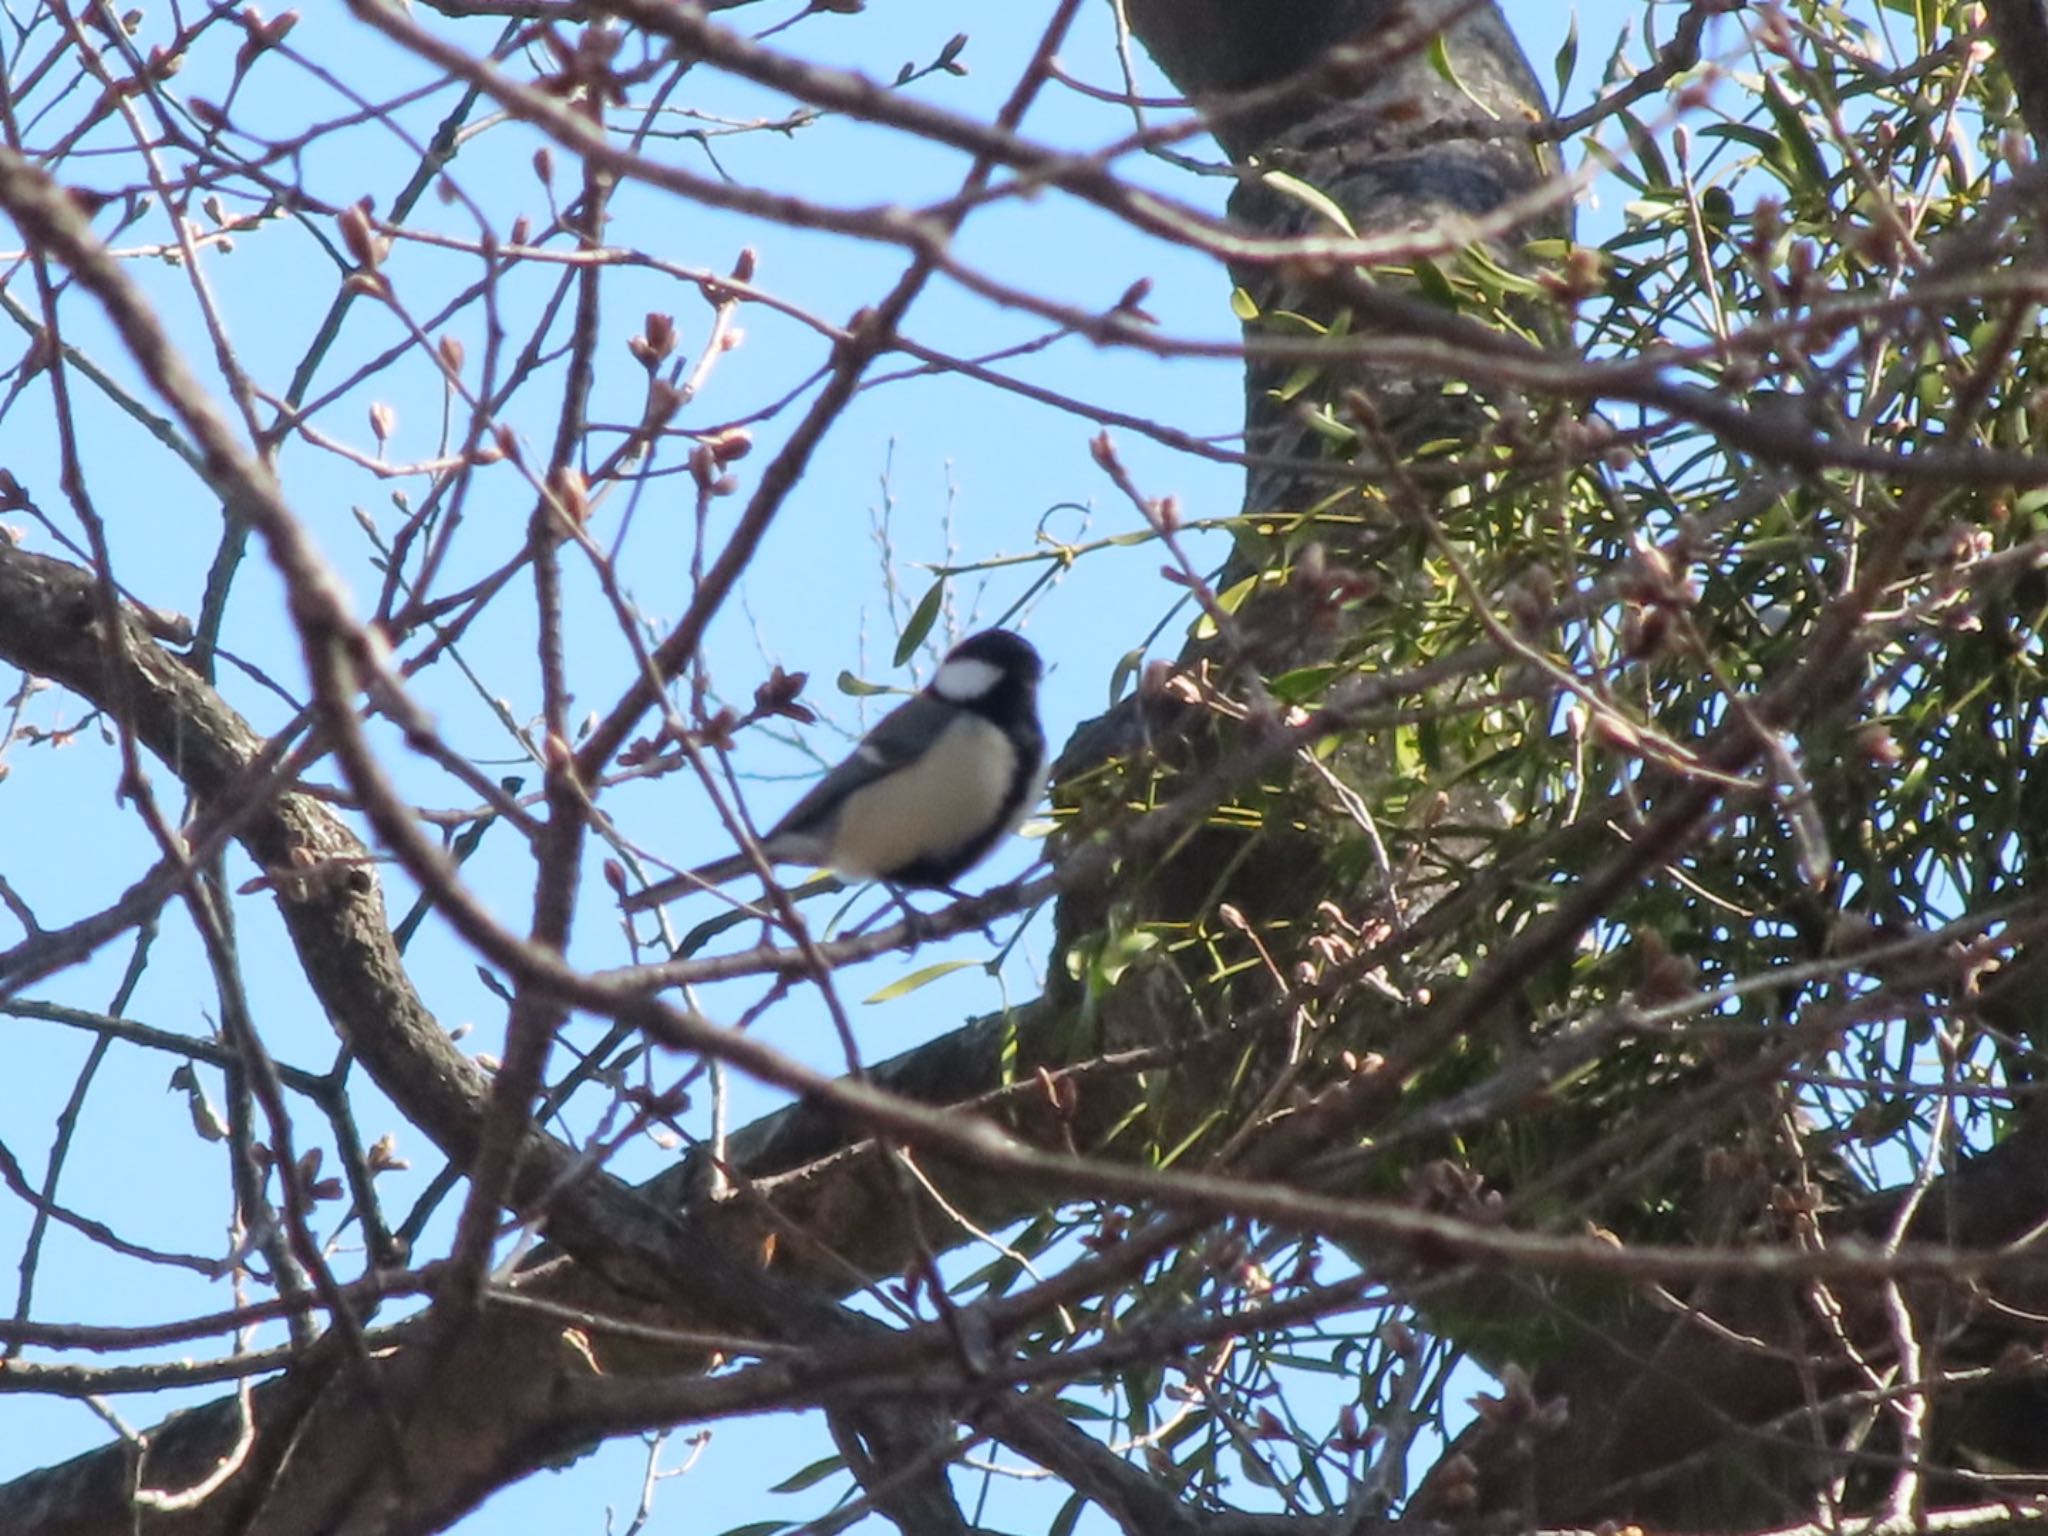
(993, 673)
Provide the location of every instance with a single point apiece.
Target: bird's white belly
(931, 808)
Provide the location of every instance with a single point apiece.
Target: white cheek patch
(964, 679)
(941, 803)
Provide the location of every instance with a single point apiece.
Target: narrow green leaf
(1440, 58)
(1243, 305)
(1295, 1362)
(1085, 1413)
(1435, 287)
(1308, 325)
(1230, 599)
(1069, 1516)
(1440, 61)
(1309, 197)
(904, 986)
(1126, 668)
(1479, 261)
(1812, 173)
(757, 1528)
(1765, 144)
(1568, 56)
(1255, 1469)
(1330, 430)
(921, 620)
(804, 1478)
(1296, 382)
(1656, 169)
(993, 1278)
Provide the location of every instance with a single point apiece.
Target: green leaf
(1811, 170)
(1309, 197)
(1121, 953)
(1568, 56)
(1100, 962)
(1321, 1367)
(993, 1278)
(1440, 61)
(1769, 145)
(1080, 1412)
(757, 1528)
(1069, 1516)
(921, 619)
(797, 1481)
(1656, 170)
(1230, 599)
(904, 986)
(1327, 427)
(1287, 319)
(1927, 23)
(859, 688)
(1302, 684)
(1243, 305)
(1295, 382)
(1480, 263)
(1431, 283)
(1407, 751)
(1255, 1468)
(1120, 678)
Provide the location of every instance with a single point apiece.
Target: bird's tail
(702, 878)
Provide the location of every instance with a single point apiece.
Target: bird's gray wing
(803, 835)
(900, 736)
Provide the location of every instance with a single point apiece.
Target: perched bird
(929, 791)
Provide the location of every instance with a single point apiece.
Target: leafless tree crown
(1547, 904)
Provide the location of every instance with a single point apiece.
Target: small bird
(942, 779)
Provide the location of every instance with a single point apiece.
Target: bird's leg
(917, 928)
(916, 924)
(988, 925)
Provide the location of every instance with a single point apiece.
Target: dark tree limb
(2020, 28)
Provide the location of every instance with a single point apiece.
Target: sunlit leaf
(921, 620)
(905, 985)
(1567, 58)
(1309, 197)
